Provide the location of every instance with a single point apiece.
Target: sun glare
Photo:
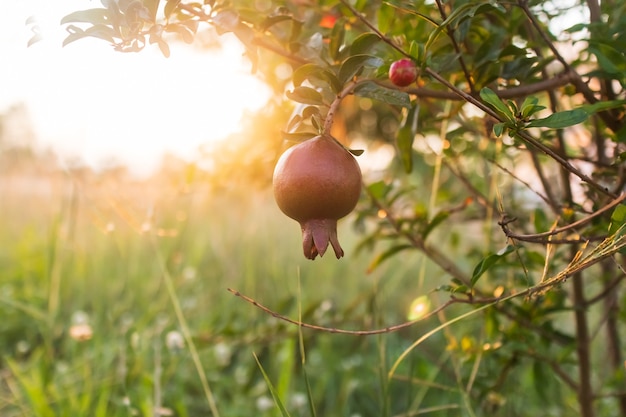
(91, 103)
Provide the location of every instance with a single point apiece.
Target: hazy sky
(89, 101)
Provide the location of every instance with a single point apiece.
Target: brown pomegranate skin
(316, 183)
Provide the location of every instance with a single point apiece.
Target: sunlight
(90, 103)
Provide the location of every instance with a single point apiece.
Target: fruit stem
(334, 106)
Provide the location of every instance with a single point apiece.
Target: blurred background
(123, 173)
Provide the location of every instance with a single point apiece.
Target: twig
(538, 237)
(608, 288)
(526, 184)
(299, 323)
(334, 106)
(457, 49)
(559, 80)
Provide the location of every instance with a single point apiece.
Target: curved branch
(334, 106)
(336, 330)
(539, 237)
(559, 80)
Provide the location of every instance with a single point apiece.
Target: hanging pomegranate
(316, 183)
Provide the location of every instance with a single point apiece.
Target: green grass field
(114, 301)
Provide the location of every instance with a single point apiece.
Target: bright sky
(88, 101)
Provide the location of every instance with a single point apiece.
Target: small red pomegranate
(403, 72)
(316, 183)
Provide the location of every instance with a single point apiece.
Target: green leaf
(465, 11)
(305, 95)
(356, 152)
(379, 189)
(170, 7)
(337, 36)
(498, 129)
(435, 221)
(618, 219)
(351, 66)
(93, 16)
(610, 59)
(98, 31)
(603, 105)
(310, 111)
(543, 380)
(308, 71)
(272, 20)
(489, 261)
(163, 46)
(183, 30)
(297, 137)
(561, 119)
(540, 220)
(390, 96)
(279, 403)
(364, 43)
(530, 107)
(492, 99)
(34, 39)
(406, 136)
(386, 255)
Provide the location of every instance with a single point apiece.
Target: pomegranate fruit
(403, 72)
(316, 183)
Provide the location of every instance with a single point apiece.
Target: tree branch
(538, 237)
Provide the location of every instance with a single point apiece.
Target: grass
(113, 303)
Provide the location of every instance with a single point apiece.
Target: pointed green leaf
(618, 219)
(272, 20)
(530, 107)
(467, 10)
(438, 219)
(489, 261)
(390, 96)
(297, 137)
(354, 64)
(364, 43)
(386, 255)
(170, 7)
(305, 95)
(98, 31)
(93, 16)
(378, 189)
(406, 136)
(561, 119)
(609, 58)
(337, 36)
(308, 71)
(603, 105)
(34, 39)
(498, 129)
(279, 403)
(492, 99)
(404, 142)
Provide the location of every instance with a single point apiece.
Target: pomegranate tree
(316, 183)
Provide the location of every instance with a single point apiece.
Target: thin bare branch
(539, 237)
(298, 323)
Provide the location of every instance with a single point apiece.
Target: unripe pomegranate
(403, 72)
(316, 183)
